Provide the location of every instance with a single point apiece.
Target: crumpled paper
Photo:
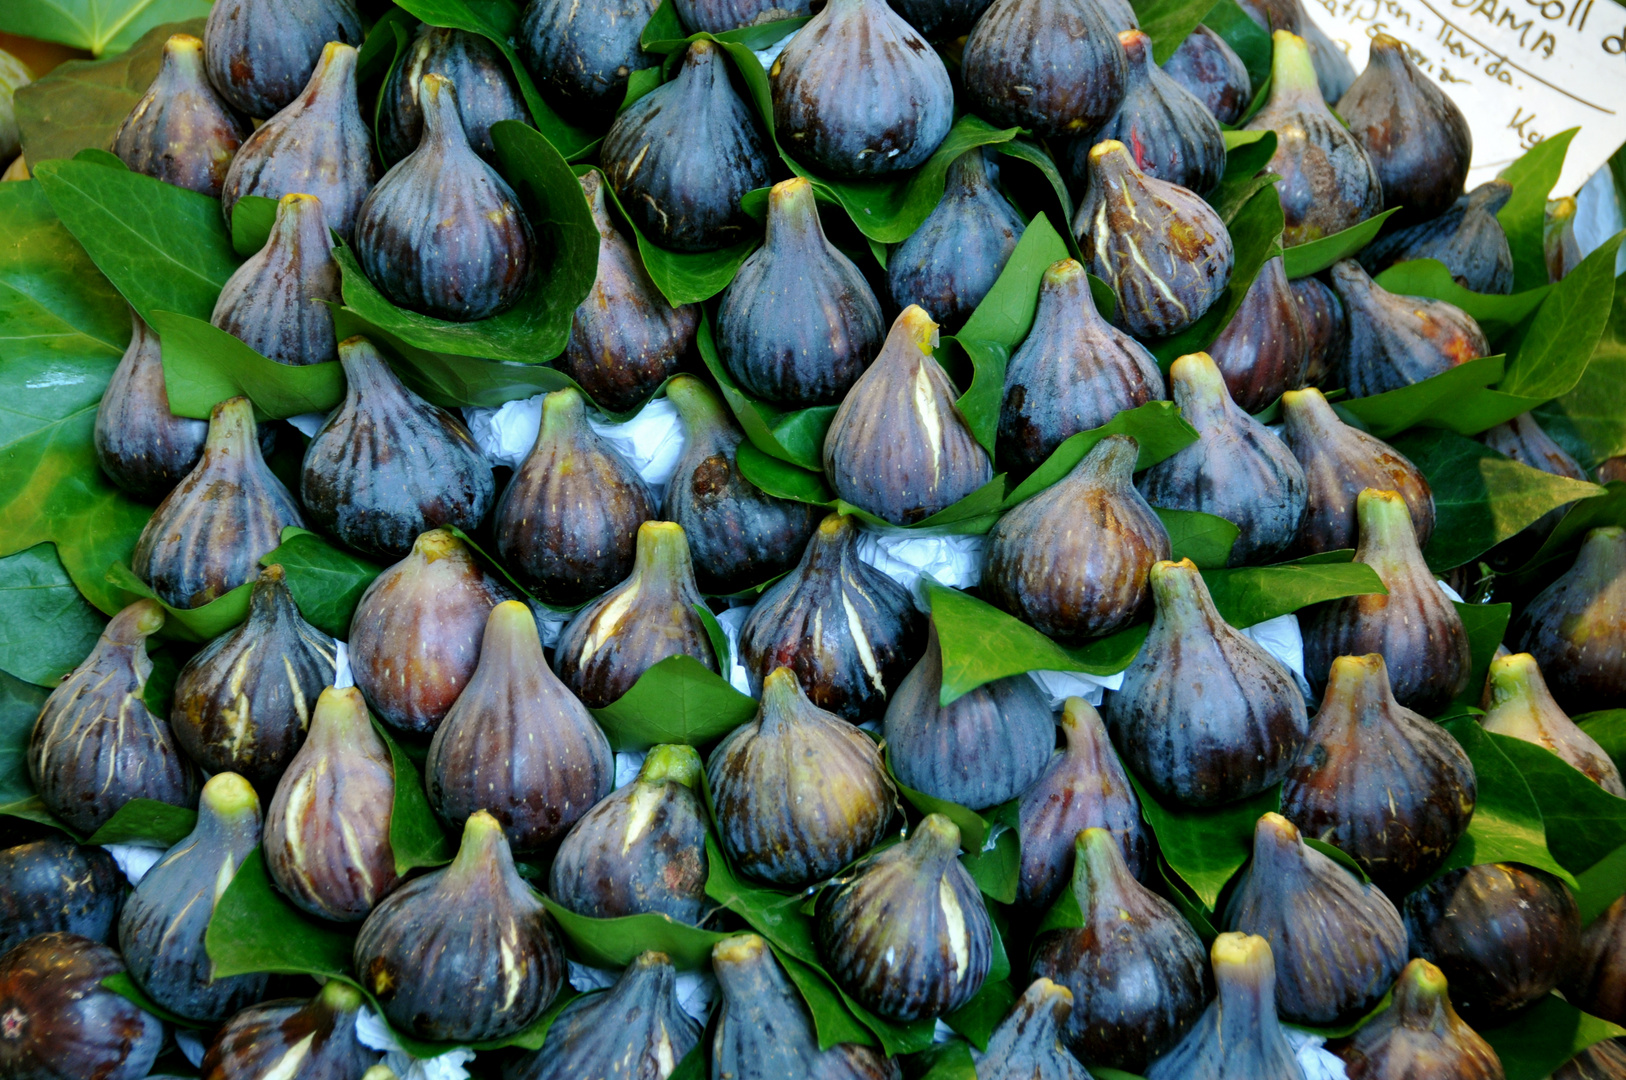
(731, 621)
(373, 1033)
(911, 558)
(1317, 1062)
(309, 423)
(342, 676)
(134, 860)
(695, 989)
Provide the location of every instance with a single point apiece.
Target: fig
(14, 75)
(1503, 935)
(625, 339)
(642, 621)
(1073, 372)
(899, 447)
(637, 1030)
(941, 20)
(142, 446)
(1523, 440)
(95, 746)
(1413, 626)
(1575, 627)
(1379, 782)
(1333, 71)
(162, 928)
(1137, 970)
(798, 324)
(904, 932)
(318, 144)
(207, 536)
(442, 233)
(1395, 340)
(1204, 716)
(1597, 981)
(849, 632)
(1163, 250)
(1027, 1043)
(1212, 72)
(387, 465)
(466, 953)
(260, 53)
(1601, 1061)
(640, 849)
(1238, 1037)
(1560, 246)
(984, 748)
(1265, 349)
(1328, 183)
(55, 886)
(1237, 469)
(327, 831)
(179, 130)
(581, 54)
(61, 1023)
(739, 536)
(244, 702)
(798, 793)
(1324, 321)
(516, 744)
(277, 301)
(1467, 238)
(1419, 1035)
(1052, 66)
(948, 264)
(858, 93)
(314, 1039)
(486, 91)
(1521, 706)
(567, 523)
(683, 156)
(717, 16)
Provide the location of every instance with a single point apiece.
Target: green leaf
(326, 583)
(416, 838)
(1566, 329)
(159, 693)
(1393, 411)
(186, 624)
(1506, 825)
(679, 700)
(1244, 175)
(978, 1018)
(1524, 218)
(1169, 22)
(693, 1065)
(33, 809)
(98, 26)
(1302, 260)
(974, 827)
(804, 428)
(1247, 595)
(1486, 624)
(1608, 728)
(1541, 1038)
(1584, 822)
(20, 705)
(782, 479)
(254, 929)
(251, 219)
(1205, 847)
(615, 943)
(204, 365)
(46, 628)
(1600, 885)
(952, 1060)
(122, 985)
(1590, 420)
(1582, 517)
(146, 821)
(1156, 426)
(685, 277)
(1496, 315)
(1205, 539)
(1248, 38)
(1005, 314)
(997, 871)
(1023, 150)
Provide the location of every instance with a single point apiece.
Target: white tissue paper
(372, 1032)
(134, 859)
(951, 560)
(309, 423)
(1281, 638)
(1317, 1062)
(694, 989)
(550, 624)
(1061, 685)
(190, 1045)
(1449, 591)
(341, 665)
(627, 764)
(731, 621)
(771, 53)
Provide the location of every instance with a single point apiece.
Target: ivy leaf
(1584, 822)
(148, 822)
(1582, 517)
(251, 219)
(1302, 260)
(1207, 846)
(20, 705)
(254, 929)
(1524, 217)
(1507, 824)
(203, 623)
(1496, 315)
(1393, 411)
(1590, 420)
(679, 700)
(416, 838)
(204, 365)
(1566, 329)
(1246, 595)
(97, 26)
(1205, 539)
(46, 628)
(615, 943)
(326, 583)
(1543, 1037)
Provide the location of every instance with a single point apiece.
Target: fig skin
(95, 746)
(1601, 1061)
(485, 84)
(905, 932)
(1265, 349)
(850, 633)
(1379, 782)
(798, 324)
(277, 301)
(625, 339)
(327, 831)
(61, 1023)
(260, 53)
(14, 75)
(516, 743)
(716, 16)
(1575, 626)
(142, 446)
(1395, 340)
(581, 54)
(1027, 1043)
(1467, 238)
(314, 1038)
(1559, 244)
(1212, 72)
(899, 446)
(1238, 1037)
(1595, 982)
(640, 849)
(1324, 322)
(858, 93)
(1521, 706)
(179, 131)
(387, 466)
(1420, 1035)
(1204, 715)
(1019, 72)
(1073, 372)
(244, 702)
(797, 792)
(941, 20)
(55, 886)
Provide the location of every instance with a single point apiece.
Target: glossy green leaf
(145, 821)
(97, 26)
(1248, 38)
(757, 419)
(1566, 329)
(1156, 426)
(1600, 885)
(1486, 625)
(1302, 260)
(186, 624)
(1590, 420)
(416, 838)
(781, 478)
(20, 705)
(251, 219)
(46, 628)
(1393, 411)
(952, 1060)
(204, 365)
(1582, 516)
(974, 827)
(1205, 539)
(1524, 218)
(1545, 1036)
(1005, 314)
(1205, 847)
(1608, 728)
(997, 871)
(1169, 22)
(1496, 315)
(615, 943)
(978, 1018)
(685, 277)
(326, 583)
(1507, 824)
(679, 700)
(1244, 175)
(1584, 822)
(254, 929)
(1247, 595)
(159, 693)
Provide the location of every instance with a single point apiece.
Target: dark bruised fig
(61, 1023)
(516, 743)
(1467, 238)
(53, 885)
(1213, 73)
(387, 466)
(277, 301)
(798, 324)
(1237, 469)
(1413, 626)
(642, 848)
(1339, 463)
(415, 636)
(899, 446)
(313, 1039)
(683, 156)
(948, 264)
(941, 20)
(798, 792)
(260, 53)
(443, 233)
(142, 446)
(982, 749)
(636, 1031)
(466, 953)
(207, 536)
(327, 830)
(858, 93)
(1324, 323)
(1503, 935)
(1074, 371)
(486, 91)
(1163, 250)
(1052, 66)
(648, 617)
(1416, 137)
(625, 339)
(717, 16)
(1137, 970)
(244, 702)
(1576, 627)
(739, 535)
(1601, 1061)
(1597, 982)
(1396, 340)
(180, 131)
(1239, 1036)
(95, 746)
(1265, 348)
(1521, 706)
(1084, 787)
(1419, 1036)
(1384, 785)
(1205, 716)
(1328, 184)
(567, 523)
(317, 145)
(1027, 1043)
(905, 932)
(1523, 440)
(1560, 247)
(581, 54)
(162, 928)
